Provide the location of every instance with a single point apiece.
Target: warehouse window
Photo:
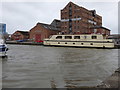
(59, 37)
(68, 37)
(74, 27)
(74, 6)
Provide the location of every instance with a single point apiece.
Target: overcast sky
(24, 15)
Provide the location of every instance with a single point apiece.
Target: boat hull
(3, 50)
(3, 54)
(79, 44)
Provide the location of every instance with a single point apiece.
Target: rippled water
(42, 67)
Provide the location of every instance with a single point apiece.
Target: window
(91, 43)
(74, 27)
(81, 43)
(74, 6)
(85, 37)
(68, 37)
(94, 37)
(75, 22)
(59, 37)
(95, 30)
(70, 29)
(70, 23)
(70, 7)
(65, 42)
(58, 42)
(76, 37)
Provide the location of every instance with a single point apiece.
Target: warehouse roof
(50, 27)
(24, 32)
(97, 27)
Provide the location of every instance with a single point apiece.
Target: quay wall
(24, 43)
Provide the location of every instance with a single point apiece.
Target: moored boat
(83, 40)
(3, 48)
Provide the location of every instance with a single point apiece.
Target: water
(42, 67)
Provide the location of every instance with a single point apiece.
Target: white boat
(3, 48)
(83, 40)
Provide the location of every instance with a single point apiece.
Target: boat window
(50, 36)
(85, 37)
(94, 37)
(65, 42)
(76, 37)
(73, 43)
(68, 37)
(59, 37)
(58, 42)
(91, 44)
(81, 43)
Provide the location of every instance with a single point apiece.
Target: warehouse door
(38, 38)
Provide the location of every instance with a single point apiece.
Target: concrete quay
(112, 82)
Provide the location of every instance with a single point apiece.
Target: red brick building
(42, 31)
(20, 35)
(78, 20)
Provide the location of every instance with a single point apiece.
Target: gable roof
(50, 27)
(83, 8)
(56, 23)
(98, 27)
(70, 3)
(24, 32)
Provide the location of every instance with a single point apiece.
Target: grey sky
(25, 15)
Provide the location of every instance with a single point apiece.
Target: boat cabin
(78, 37)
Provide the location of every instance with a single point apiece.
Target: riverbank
(24, 43)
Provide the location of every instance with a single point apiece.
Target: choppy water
(42, 67)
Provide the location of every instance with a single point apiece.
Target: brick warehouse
(41, 30)
(78, 20)
(20, 35)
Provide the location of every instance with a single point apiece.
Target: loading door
(38, 38)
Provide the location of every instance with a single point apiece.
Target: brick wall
(42, 32)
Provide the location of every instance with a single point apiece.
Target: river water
(44, 67)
